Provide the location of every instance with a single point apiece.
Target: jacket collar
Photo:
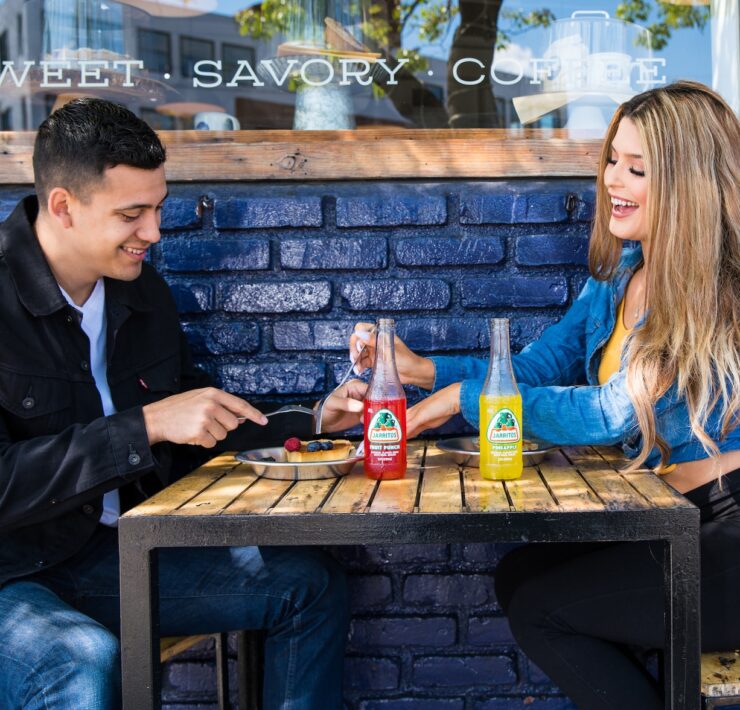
(34, 281)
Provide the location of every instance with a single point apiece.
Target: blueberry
(313, 446)
(327, 445)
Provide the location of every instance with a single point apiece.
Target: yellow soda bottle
(500, 411)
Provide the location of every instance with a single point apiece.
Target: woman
(649, 357)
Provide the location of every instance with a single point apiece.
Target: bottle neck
(500, 379)
(385, 382)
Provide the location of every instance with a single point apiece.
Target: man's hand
(343, 409)
(199, 417)
(413, 369)
(433, 411)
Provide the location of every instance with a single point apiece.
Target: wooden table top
(569, 479)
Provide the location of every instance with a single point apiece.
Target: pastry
(297, 451)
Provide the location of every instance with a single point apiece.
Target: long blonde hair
(691, 335)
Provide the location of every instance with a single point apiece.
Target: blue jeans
(59, 628)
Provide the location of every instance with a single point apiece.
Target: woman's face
(624, 177)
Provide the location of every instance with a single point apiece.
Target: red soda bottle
(385, 411)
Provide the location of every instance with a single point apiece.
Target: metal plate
(465, 451)
(282, 470)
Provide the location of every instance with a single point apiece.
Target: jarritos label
(384, 428)
(504, 428)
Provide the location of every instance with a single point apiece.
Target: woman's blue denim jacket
(557, 375)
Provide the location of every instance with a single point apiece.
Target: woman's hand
(343, 409)
(413, 369)
(433, 411)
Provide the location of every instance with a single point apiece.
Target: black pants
(579, 610)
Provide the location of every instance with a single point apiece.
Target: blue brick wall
(270, 279)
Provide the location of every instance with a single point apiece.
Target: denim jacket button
(134, 459)
(41, 563)
(88, 509)
(85, 365)
(28, 403)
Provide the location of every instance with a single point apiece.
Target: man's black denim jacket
(58, 453)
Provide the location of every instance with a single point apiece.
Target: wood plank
(259, 498)
(613, 489)
(434, 457)
(186, 488)
(220, 494)
(415, 453)
(364, 154)
(529, 493)
(352, 494)
(720, 674)
(569, 488)
(482, 495)
(440, 490)
(659, 493)
(171, 646)
(304, 496)
(397, 496)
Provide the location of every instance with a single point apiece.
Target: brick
(412, 704)
(585, 208)
(543, 206)
(439, 334)
(272, 378)
(537, 675)
(190, 678)
(192, 297)
(498, 206)
(215, 254)
(180, 212)
(305, 296)
(403, 631)
(489, 631)
(487, 552)
(463, 671)
(369, 590)
(363, 673)
(312, 335)
(404, 554)
(425, 251)
(224, 338)
(528, 702)
(266, 212)
(448, 589)
(397, 295)
(514, 291)
(528, 329)
(551, 249)
(6, 207)
(391, 207)
(334, 253)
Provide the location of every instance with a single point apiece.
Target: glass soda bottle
(385, 411)
(500, 411)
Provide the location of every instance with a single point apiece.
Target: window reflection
(357, 63)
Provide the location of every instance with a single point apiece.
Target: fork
(320, 410)
(287, 409)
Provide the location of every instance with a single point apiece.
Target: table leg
(140, 666)
(683, 621)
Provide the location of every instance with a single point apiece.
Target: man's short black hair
(79, 141)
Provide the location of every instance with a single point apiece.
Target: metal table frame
(140, 538)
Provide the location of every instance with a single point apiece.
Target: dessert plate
(282, 470)
(465, 450)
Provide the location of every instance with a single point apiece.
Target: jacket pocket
(160, 379)
(35, 405)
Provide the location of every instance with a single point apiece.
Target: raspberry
(292, 444)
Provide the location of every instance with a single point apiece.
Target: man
(96, 386)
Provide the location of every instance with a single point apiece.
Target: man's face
(112, 231)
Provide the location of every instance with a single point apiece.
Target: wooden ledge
(363, 154)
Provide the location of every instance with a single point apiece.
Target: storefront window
(345, 64)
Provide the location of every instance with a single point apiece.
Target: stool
(720, 679)
(248, 660)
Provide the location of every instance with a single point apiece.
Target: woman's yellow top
(611, 356)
